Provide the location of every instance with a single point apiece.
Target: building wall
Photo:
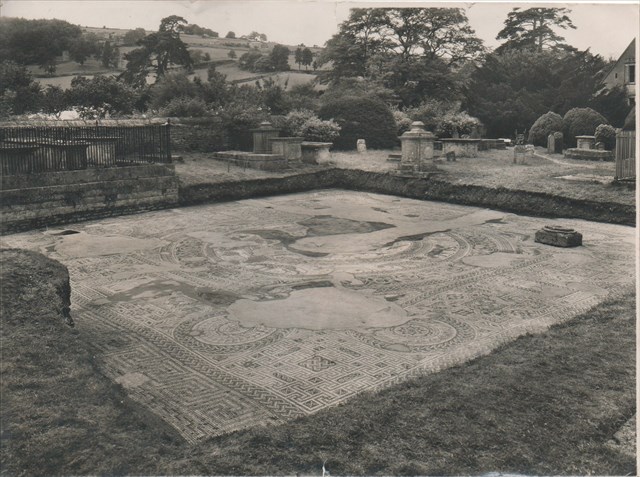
(623, 72)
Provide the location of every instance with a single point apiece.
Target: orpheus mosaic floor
(224, 316)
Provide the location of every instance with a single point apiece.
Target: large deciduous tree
(411, 50)
(534, 28)
(157, 52)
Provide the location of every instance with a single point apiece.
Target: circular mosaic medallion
(220, 335)
(418, 335)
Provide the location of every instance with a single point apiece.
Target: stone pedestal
(361, 145)
(262, 138)
(462, 147)
(316, 152)
(288, 147)
(558, 236)
(417, 149)
(586, 142)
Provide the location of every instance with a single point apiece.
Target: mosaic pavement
(224, 316)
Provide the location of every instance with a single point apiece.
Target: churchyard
(300, 278)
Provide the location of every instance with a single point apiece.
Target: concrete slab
(226, 316)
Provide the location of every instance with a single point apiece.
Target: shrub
(305, 123)
(559, 142)
(315, 129)
(361, 118)
(546, 124)
(293, 122)
(580, 121)
(444, 117)
(403, 121)
(607, 135)
(185, 107)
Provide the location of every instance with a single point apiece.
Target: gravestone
(361, 146)
(551, 144)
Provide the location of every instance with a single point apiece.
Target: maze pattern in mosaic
(225, 316)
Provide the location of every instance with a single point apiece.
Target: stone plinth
(264, 162)
(417, 149)
(586, 142)
(462, 147)
(589, 154)
(262, 138)
(316, 152)
(558, 236)
(288, 147)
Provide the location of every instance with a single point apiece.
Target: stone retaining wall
(535, 204)
(39, 200)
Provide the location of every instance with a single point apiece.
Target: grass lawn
(496, 169)
(544, 404)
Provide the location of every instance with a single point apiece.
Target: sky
(605, 28)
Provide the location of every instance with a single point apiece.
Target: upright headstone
(551, 144)
(361, 145)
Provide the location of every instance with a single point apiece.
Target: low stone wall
(589, 154)
(198, 135)
(263, 162)
(39, 200)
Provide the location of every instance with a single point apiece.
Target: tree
(19, 92)
(307, 57)
(110, 56)
(298, 57)
(411, 50)
(103, 92)
(232, 54)
(279, 57)
(83, 47)
(230, 34)
(132, 37)
(533, 28)
(516, 86)
(157, 51)
(248, 60)
(54, 100)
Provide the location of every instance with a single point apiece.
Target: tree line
(427, 62)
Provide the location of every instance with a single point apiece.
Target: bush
(293, 122)
(559, 142)
(444, 117)
(403, 122)
(184, 107)
(315, 129)
(606, 134)
(579, 122)
(361, 118)
(304, 123)
(546, 124)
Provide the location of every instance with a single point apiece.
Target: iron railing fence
(27, 150)
(625, 155)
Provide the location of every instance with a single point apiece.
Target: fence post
(169, 140)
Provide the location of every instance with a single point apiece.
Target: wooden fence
(625, 155)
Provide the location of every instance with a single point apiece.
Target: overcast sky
(606, 28)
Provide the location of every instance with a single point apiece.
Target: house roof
(631, 48)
